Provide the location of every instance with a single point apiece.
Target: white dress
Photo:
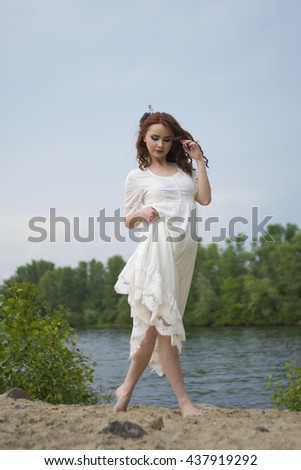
(158, 275)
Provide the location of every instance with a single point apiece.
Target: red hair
(176, 153)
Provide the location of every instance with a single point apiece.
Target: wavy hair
(176, 153)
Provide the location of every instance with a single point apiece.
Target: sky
(77, 75)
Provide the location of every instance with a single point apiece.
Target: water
(225, 367)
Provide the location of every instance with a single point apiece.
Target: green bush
(38, 350)
(287, 395)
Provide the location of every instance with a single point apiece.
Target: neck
(162, 163)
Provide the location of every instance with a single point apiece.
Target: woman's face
(158, 140)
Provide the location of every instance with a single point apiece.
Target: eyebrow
(165, 137)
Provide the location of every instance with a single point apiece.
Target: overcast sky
(76, 76)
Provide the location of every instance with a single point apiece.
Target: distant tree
(66, 287)
(48, 288)
(123, 312)
(95, 285)
(80, 286)
(276, 267)
(261, 301)
(93, 302)
(206, 303)
(110, 297)
(231, 302)
(31, 272)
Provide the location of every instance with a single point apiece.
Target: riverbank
(32, 424)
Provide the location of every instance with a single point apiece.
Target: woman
(159, 195)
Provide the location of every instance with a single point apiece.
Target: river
(225, 367)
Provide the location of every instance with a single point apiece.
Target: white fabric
(157, 276)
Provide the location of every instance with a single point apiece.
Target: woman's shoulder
(135, 177)
(135, 173)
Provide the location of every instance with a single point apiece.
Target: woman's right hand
(146, 214)
(149, 214)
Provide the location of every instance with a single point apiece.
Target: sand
(33, 424)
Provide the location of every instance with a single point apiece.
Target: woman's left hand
(192, 149)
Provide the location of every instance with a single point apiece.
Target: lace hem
(152, 304)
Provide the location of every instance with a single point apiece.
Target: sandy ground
(27, 424)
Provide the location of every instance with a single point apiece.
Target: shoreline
(33, 424)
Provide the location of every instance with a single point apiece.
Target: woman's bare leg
(138, 364)
(169, 358)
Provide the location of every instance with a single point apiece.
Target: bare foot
(123, 398)
(189, 410)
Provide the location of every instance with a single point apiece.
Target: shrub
(287, 395)
(38, 350)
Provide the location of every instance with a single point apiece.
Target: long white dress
(157, 277)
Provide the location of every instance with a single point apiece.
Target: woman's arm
(204, 190)
(193, 149)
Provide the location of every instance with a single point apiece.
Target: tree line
(231, 285)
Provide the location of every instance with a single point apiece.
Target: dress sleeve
(132, 194)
